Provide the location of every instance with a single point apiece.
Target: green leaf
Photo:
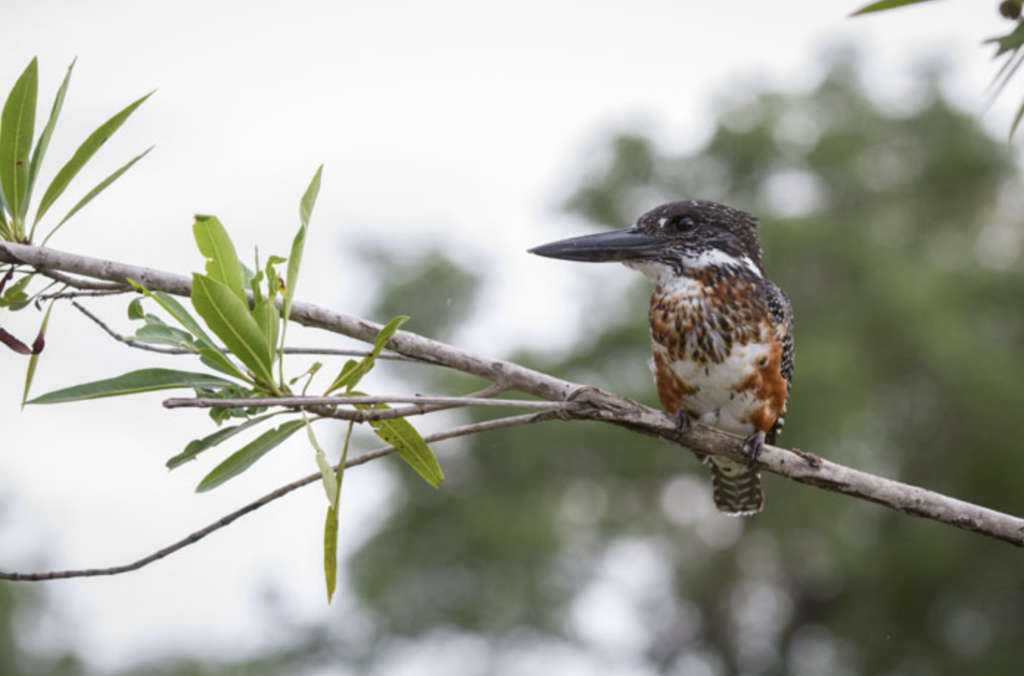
(329, 476)
(197, 446)
(103, 185)
(886, 4)
(222, 260)
(44, 139)
(327, 472)
(353, 372)
(292, 275)
(244, 458)
(161, 334)
(219, 361)
(295, 256)
(401, 434)
(135, 309)
(15, 295)
(229, 318)
(145, 380)
(1010, 42)
(269, 320)
(17, 126)
(84, 153)
(309, 198)
(178, 311)
(331, 552)
(36, 351)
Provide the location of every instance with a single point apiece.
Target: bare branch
(799, 466)
(228, 519)
(421, 402)
(128, 340)
(86, 284)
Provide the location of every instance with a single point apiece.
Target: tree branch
(596, 405)
(327, 406)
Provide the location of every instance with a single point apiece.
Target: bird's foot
(752, 447)
(683, 421)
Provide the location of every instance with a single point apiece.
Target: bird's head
(671, 239)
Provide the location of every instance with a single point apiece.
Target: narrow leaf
(161, 334)
(197, 446)
(84, 153)
(351, 374)
(219, 361)
(886, 4)
(401, 434)
(103, 185)
(269, 320)
(331, 552)
(17, 127)
(1010, 42)
(329, 476)
(178, 311)
(229, 318)
(34, 359)
(309, 198)
(292, 275)
(244, 458)
(44, 139)
(145, 380)
(327, 472)
(222, 263)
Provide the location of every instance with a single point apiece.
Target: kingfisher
(721, 331)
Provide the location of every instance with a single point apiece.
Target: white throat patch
(719, 257)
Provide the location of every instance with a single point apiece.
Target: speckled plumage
(722, 334)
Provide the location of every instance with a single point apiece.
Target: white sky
(450, 121)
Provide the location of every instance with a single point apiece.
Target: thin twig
(128, 340)
(131, 341)
(228, 519)
(67, 295)
(86, 284)
(347, 400)
(331, 352)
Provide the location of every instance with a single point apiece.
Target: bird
(721, 331)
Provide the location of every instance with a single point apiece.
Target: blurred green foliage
(895, 229)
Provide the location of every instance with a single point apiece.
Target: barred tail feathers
(736, 487)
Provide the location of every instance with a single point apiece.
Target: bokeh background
(456, 135)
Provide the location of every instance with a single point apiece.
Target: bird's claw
(752, 447)
(683, 421)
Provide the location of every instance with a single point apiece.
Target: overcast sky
(450, 121)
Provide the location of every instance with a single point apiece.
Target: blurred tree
(20, 609)
(895, 234)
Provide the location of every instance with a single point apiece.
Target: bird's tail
(736, 487)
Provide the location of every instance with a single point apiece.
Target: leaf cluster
(236, 327)
(20, 164)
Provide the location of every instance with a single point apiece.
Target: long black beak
(617, 245)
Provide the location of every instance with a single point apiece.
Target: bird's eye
(680, 224)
